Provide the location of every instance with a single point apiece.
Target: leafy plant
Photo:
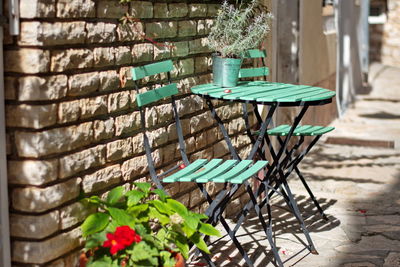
(238, 29)
(141, 227)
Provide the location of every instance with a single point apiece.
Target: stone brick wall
(72, 131)
(385, 38)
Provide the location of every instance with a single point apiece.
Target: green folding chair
(233, 174)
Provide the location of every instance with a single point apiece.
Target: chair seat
(217, 170)
(304, 130)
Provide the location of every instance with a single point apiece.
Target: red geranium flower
(123, 237)
(113, 243)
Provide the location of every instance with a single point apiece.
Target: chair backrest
(254, 72)
(152, 96)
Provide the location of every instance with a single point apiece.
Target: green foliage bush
(158, 225)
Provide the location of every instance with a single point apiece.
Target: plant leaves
(164, 220)
(161, 207)
(115, 194)
(166, 259)
(94, 223)
(160, 193)
(199, 216)
(95, 240)
(105, 261)
(199, 242)
(181, 243)
(121, 217)
(145, 187)
(177, 207)
(208, 229)
(134, 197)
(191, 222)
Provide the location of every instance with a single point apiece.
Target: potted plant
(235, 30)
(141, 227)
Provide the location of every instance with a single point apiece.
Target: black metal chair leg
(316, 203)
(267, 228)
(298, 216)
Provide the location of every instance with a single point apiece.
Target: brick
(63, 60)
(142, 9)
(162, 52)
(130, 32)
(123, 55)
(180, 49)
(220, 149)
(59, 33)
(35, 227)
(29, 116)
(137, 144)
(34, 199)
(76, 8)
(74, 214)
(197, 10)
(103, 56)
(83, 160)
(94, 106)
(176, 10)
(200, 122)
(32, 172)
(202, 64)
(33, 88)
(10, 88)
(127, 123)
(82, 84)
(102, 179)
(111, 9)
(118, 101)
(47, 250)
(164, 113)
(103, 129)
(236, 126)
(151, 116)
(158, 137)
(101, 32)
(109, 80)
(53, 141)
(212, 10)
(69, 111)
(27, 60)
(119, 149)
(186, 66)
(37, 9)
(142, 52)
(134, 167)
(187, 28)
(161, 10)
(162, 29)
(198, 46)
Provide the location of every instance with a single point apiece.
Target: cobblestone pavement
(358, 187)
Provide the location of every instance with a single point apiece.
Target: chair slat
(204, 170)
(156, 94)
(224, 167)
(233, 172)
(253, 72)
(323, 131)
(151, 69)
(249, 172)
(254, 53)
(278, 130)
(188, 170)
(300, 130)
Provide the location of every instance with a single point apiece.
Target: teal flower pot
(226, 71)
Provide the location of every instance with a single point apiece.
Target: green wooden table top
(265, 92)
